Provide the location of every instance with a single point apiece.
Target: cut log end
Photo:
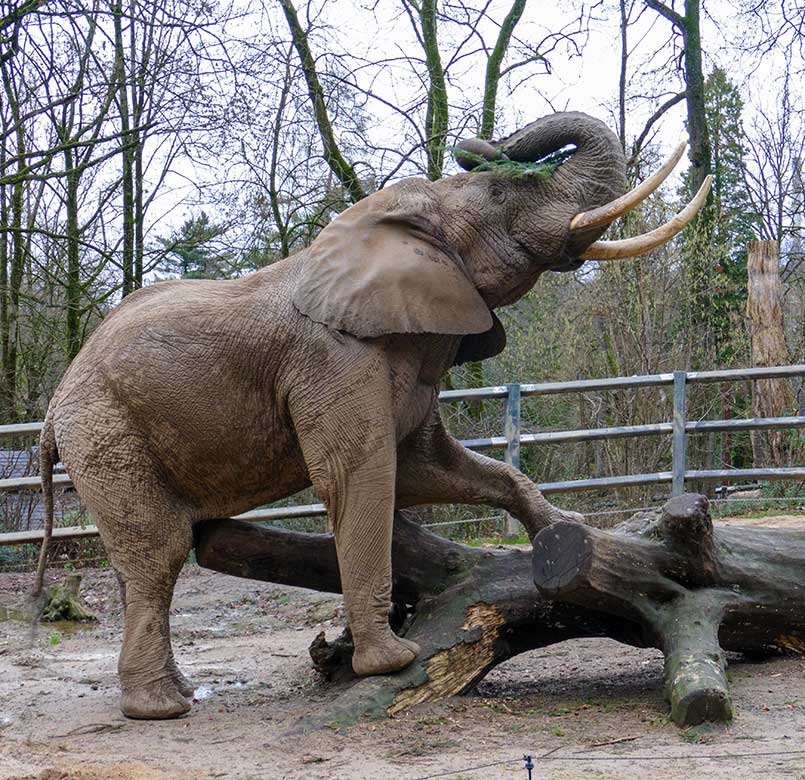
(701, 706)
(685, 521)
(561, 558)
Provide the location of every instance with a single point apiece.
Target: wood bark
(764, 310)
(664, 580)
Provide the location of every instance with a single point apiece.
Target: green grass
(480, 541)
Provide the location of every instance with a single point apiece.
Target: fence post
(679, 455)
(511, 430)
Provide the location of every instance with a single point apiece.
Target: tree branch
(638, 144)
(332, 154)
(672, 16)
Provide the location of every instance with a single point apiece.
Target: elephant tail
(48, 457)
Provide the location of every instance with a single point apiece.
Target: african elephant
(201, 399)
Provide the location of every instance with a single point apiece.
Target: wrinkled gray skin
(204, 399)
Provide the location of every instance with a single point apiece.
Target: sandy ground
(590, 708)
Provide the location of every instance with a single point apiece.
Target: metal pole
(679, 455)
(511, 430)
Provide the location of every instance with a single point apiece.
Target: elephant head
(439, 257)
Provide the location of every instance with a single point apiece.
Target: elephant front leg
(361, 504)
(357, 484)
(435, 468)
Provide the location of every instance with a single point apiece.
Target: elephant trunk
(593, 180)
(594, 175)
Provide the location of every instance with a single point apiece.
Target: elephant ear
(479, 346)
(380, 268)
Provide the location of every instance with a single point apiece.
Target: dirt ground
(583, 709)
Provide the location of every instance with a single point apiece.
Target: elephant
(200, 399)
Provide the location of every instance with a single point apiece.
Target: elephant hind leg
(435, 468)
(183, 685)
(148, 539)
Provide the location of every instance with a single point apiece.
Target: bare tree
(687, 26)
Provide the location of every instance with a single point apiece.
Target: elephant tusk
(630, 247)
(605, 214)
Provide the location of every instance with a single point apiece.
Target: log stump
(665, 579)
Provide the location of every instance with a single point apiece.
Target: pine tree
(189, 255)
(715, 249)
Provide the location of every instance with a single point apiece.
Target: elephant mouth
(567, 262)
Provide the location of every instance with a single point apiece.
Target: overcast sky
(589, 82)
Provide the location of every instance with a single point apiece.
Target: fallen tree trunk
(694, 588)
(473, 608)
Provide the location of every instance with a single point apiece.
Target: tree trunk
(127, 173)
(664, 580)
(437, 114)
(4, 291)
(343, 171)
(493, 68)
(700, 148)
(771, 397)
(688, 26)
(13, 276)
(73, 282)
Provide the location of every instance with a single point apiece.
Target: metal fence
(513, 439)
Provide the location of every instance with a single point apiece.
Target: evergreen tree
(715, 248)
(736, 223)
(189, 254)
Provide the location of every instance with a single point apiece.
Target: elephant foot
(160, 700)
(183, 685)
(383, 655)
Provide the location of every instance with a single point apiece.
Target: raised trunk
(594, 175)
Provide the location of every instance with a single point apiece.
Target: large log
(471, 608)
(694, 588)
(665, 580)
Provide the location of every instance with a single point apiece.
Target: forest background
(152, 139)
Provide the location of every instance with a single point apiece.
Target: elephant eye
(497, 192)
